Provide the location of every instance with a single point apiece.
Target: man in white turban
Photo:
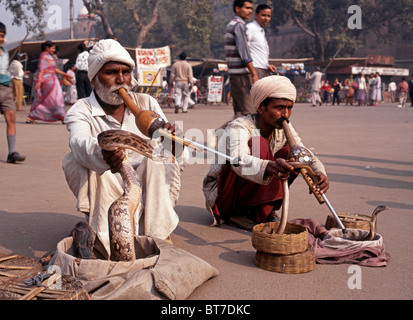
(92, 174)
(252, 193)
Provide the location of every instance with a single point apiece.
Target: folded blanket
(375, 256)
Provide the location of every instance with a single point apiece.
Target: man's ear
(92, 82)
(261, 109)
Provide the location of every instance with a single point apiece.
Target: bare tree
(143, 29)
(96, 7)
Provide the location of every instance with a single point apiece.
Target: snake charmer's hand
(114, 159)
(279, 169)
(176, 149)
(170, 127)
(323, 182)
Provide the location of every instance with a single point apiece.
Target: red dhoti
(237, 195)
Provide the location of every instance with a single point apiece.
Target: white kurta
(95, 187)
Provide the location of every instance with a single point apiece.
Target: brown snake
(114, 139)
(121, 213)
(373, 223)
(122, 210)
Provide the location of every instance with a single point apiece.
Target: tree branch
(320, 41)
(142, 35)
(301, 25)
(136, 19)
(97, 8)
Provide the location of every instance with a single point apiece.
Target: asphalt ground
(368, 154)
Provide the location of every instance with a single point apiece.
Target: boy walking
(7, 104)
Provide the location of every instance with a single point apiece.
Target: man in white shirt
(260, 51)
(392, 90)
(315, 79)
(88, 169)
(361, 91)
(16, 75)
(83, 86)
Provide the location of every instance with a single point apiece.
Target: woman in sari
(48, 104)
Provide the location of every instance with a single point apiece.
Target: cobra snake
(373, 223)
(122, 210)
(284, 216)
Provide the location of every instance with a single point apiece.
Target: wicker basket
(291, 264)
(293, 240)
(350, 221)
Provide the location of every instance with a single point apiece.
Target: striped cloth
(237, 52)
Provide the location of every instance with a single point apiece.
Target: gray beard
(108, 94)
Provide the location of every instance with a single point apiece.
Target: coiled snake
(122, 210)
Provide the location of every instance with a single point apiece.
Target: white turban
(272, 87)
(105, 51)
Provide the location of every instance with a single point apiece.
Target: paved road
(368, 153)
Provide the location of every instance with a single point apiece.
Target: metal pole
(71, 20)
(334, 214)
(234, 161)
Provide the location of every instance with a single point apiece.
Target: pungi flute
(321, 197)
(149, 122)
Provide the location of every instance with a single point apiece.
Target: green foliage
(325, 24)
(194, 26)
(197, 26)
(29, 13)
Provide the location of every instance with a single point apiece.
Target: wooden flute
(321, 197)
(149, 122)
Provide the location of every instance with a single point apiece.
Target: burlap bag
(161, 271)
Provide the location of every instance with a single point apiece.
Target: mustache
(108, 94)
(281, 120)
(115, 89)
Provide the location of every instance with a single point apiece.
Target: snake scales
(122, 210)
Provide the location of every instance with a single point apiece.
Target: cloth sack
(161, 271)
(369, 256)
